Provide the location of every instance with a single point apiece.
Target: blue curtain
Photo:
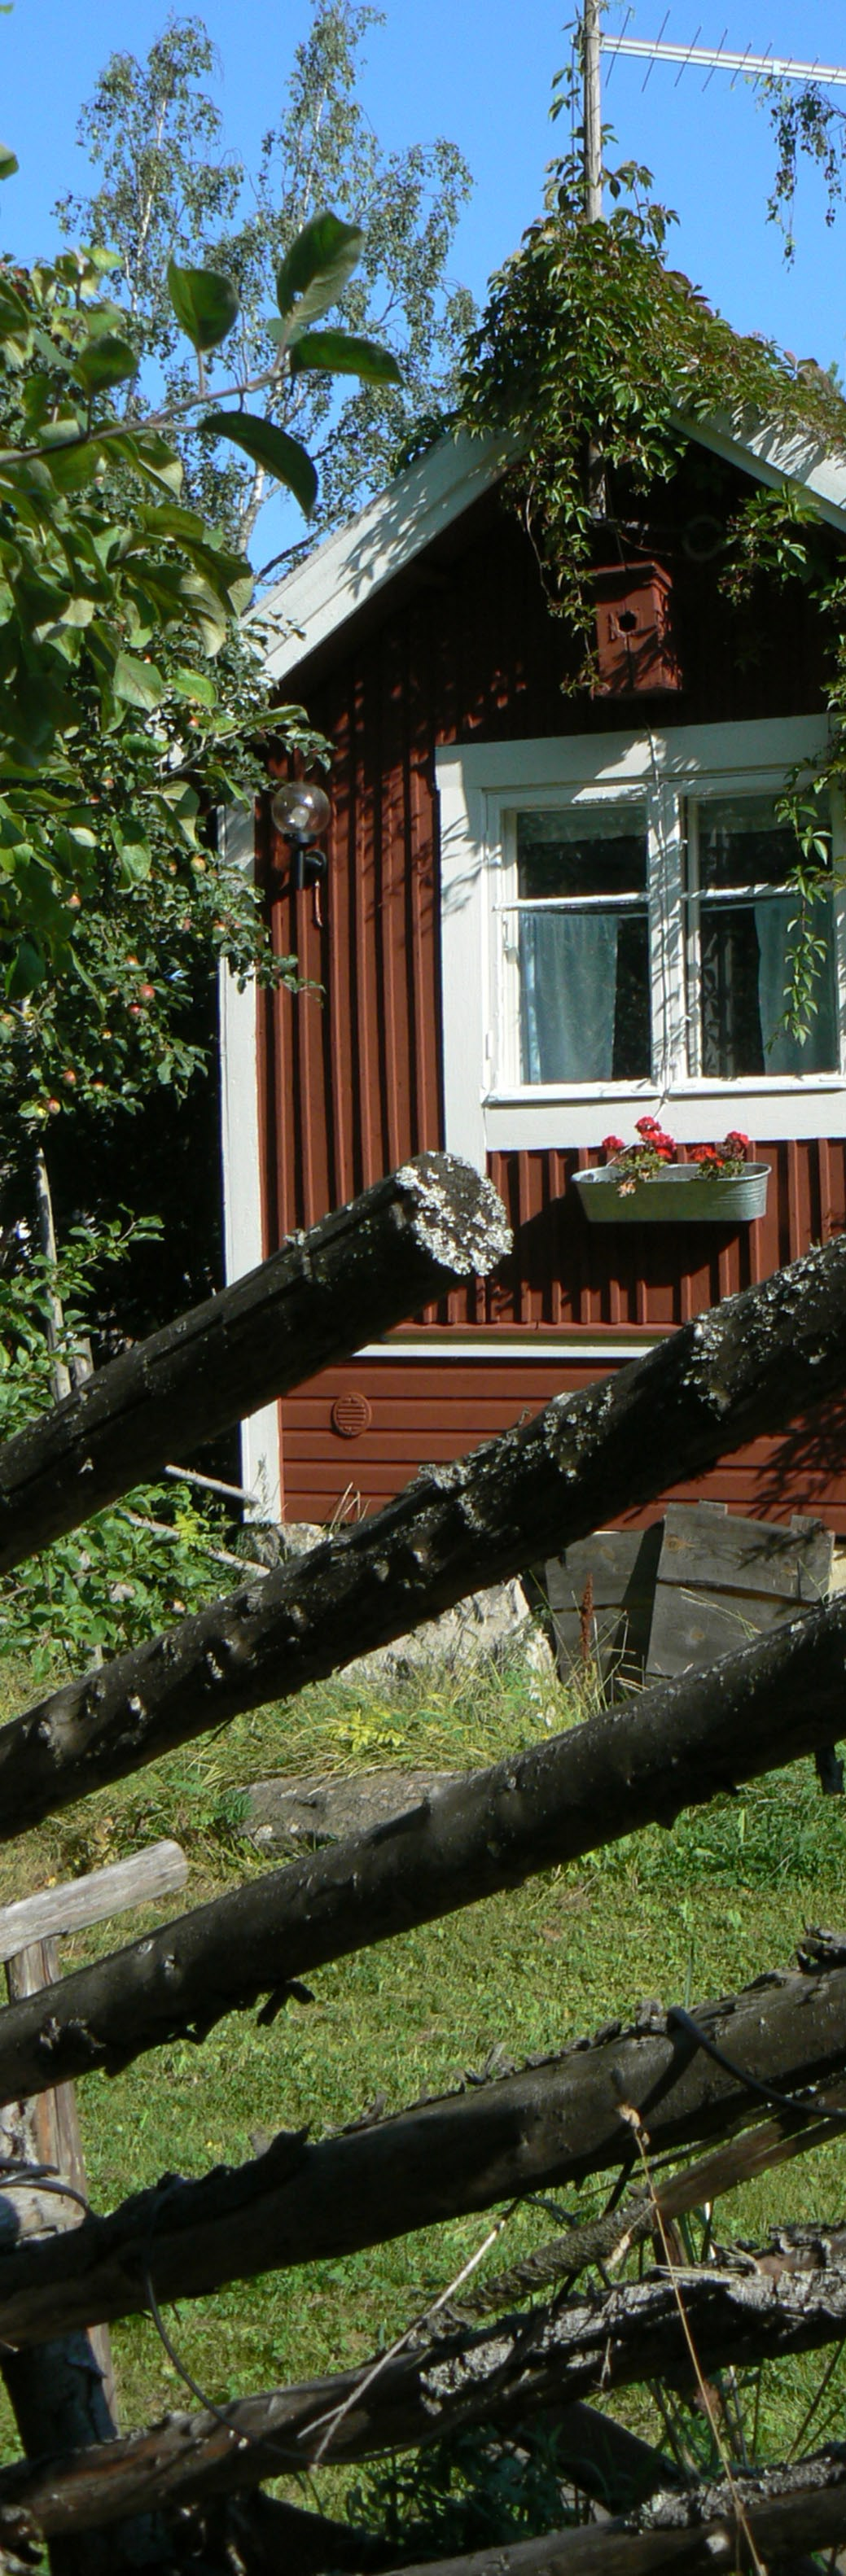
(568, 996)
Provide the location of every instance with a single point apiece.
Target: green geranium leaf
(205, 303)
(340, 353)
(8, 162)
(316, 269)
(268, 445)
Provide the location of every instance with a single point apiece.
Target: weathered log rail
(546, 2125)
(190, 2459)
(545, 2362)
(749, 1366)
(361, 1270)
(678, 1745)
(808, 2514)
(520, 2367)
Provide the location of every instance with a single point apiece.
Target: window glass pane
(744, 966)
(584, 976)
(742, 844)
(745, 946)
(581, 854)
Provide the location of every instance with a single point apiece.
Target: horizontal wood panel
(453, 1407)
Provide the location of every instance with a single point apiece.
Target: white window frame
(481, 786)
(240, 1140)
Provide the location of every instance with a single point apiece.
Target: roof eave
(773, 454)
(319, 597)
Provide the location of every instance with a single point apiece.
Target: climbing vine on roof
(592, 351)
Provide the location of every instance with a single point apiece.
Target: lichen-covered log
(361, 1270)
(519, 2367)
(189, 2458)
(674, 1746)
(784, 2512)
(517, 2371)
(548, 2124)
(745, 1368)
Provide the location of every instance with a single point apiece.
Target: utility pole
(592, 110)
(592, 132)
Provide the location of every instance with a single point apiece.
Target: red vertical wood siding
(462, 646)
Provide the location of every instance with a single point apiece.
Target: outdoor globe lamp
(301, 812)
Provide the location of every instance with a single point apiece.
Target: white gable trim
(319, 597)
(334, 581)
(777, 455)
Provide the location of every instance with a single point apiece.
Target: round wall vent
(351, 1414)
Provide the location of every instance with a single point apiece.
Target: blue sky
(480, 71)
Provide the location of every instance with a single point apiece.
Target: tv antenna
(768, 66)
(655, 49)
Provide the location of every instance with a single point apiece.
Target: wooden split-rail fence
(725, 2089)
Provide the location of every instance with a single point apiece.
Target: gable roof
(328, 588)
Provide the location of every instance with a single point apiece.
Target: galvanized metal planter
(678, 1195)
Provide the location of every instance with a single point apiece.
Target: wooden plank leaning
(63, 2391)
(160, 1870)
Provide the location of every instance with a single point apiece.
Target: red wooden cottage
(543, 915)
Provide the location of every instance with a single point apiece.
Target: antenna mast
(592, 110)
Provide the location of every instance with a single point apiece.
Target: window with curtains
(582, 945)
(650, 937)
(741, 920)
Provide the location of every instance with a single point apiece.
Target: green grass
(681, 1914)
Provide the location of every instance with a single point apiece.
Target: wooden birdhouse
(635, 650)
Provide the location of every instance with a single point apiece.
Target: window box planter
(676, 1196)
